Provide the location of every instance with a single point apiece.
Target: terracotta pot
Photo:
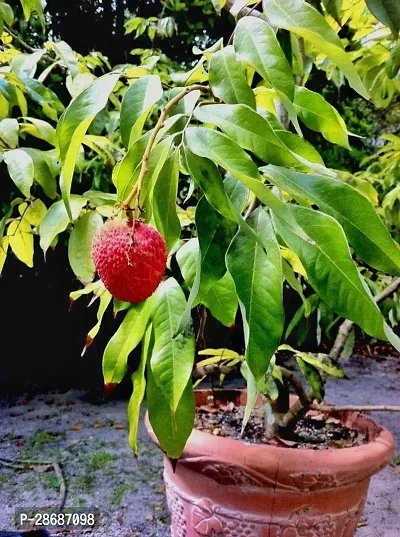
(224, 487)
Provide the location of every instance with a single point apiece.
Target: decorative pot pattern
(211, 520)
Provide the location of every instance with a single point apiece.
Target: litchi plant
(262, 210)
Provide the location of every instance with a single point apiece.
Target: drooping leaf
(9, 133)
(229, 155)
(20, 238)
(392, 64)
(43, 171)
(333, 7)
(33, 6)
(258, 279)
(220, 298)
(124, 341)
(137, 103)
(6, 14)
(301, 18)
(41, 94)
(80, 245)
(104, 302)
(228, 80)
(20, 168)
(252, 132)
(318, 115)
(164, 200)
(365, 230)
(332, 272)
(313, 378)
(255, 43)
(173, 355)
(67, 55)
(73, 125)
(38, 128)
(139, 389)
(33, 212)
(323, 363)
(57, 220)
(172, 431)
(387, 12)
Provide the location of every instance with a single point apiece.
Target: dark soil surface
(100, 470)
(316, 432)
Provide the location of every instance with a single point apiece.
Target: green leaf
(252, 132)
(20, 236)
(31, 6)
(331, 270)
(57, 220)
(304, 20)
(164, 201)
(258, 279)
(187, 259)
(80, 245)
(365, 230)
(205, 173)
(333, 7)
(33, 212)
(252, 393)
(318, 115)
(105, 299)
(172, 431)
(125, 339)
(139, 389)
(255, 43)
(38, 128)
(229, 155)
(73, 125)
(67, 55)
(137, 103)
(48, 100)
(20, 168)
(228, 80)
(173, 356)
(392, 64)
(220, 298)
(387, 12)
(9, 132)
(42, 170)
(323, 363)
(6, 13)
(313, 378)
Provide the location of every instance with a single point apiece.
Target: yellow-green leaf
(19, 233)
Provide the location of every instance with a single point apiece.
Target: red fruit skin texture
(130, 259)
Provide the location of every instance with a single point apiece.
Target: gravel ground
(100, 471)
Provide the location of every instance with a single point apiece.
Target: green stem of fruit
(134, 213)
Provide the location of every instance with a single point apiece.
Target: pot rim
(369, 458)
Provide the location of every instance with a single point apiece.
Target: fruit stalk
(133, 214)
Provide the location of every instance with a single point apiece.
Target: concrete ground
(90, 441)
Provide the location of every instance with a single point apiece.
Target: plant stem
(346, 326)
(27, 47)
(355, 408)
(300, 408)
(297, 385)
(136, 190)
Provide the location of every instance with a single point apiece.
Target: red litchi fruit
(130, 259)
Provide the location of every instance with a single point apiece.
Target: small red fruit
(130, 259)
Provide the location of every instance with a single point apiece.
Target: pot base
(194, 515)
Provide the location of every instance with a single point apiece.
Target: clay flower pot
(224, 487)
